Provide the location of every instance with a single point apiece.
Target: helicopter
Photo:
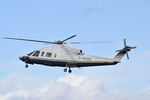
(60, 55)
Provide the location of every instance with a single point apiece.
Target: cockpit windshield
(36, 53)
(30, 53)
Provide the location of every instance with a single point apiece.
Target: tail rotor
(126, 49)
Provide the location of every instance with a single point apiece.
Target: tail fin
(123, 51)
(119, 56)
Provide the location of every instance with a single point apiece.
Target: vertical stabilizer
(119, 56)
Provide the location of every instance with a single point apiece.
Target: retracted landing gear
(26, 66)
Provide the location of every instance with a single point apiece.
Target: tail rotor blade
(132, 47)
(127, 56)
(125, 44)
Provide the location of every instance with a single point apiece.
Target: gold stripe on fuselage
(62, 60)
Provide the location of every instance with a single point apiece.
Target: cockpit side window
(42, 54)
(48, 54)
(36, 54)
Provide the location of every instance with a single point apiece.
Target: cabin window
(48, 54)
(42, 54)
(55, 55)
(36, 54)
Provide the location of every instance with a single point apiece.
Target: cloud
(69, 87)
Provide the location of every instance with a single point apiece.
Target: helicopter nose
(21, 58)
(24, 58)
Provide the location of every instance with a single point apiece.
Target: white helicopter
(68, 57)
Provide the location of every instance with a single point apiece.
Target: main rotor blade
(29, 40)
(85, 42)
(68, 38)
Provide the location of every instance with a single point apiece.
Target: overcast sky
(90, 20)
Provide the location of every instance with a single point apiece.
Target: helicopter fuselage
(65, 56)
